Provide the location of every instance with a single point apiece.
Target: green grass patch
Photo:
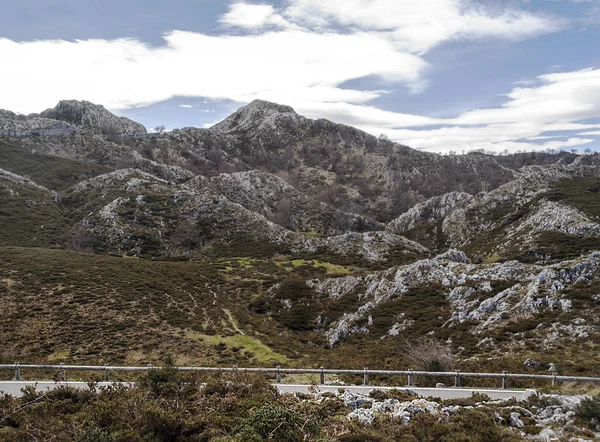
(261, 352)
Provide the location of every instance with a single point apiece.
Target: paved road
(14, 388)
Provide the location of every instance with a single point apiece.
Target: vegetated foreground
(275, 239)
(165, 405)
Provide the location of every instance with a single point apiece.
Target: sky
(437, 75)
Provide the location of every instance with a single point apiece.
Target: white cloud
(283, 66)
(591, 133)
(558, 103)
(251, 16)
(566, 96)
(186, 106)
(419, 25)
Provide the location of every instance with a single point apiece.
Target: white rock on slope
(467, 288)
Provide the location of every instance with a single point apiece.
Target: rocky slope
(314, 237)
(133, 212)
(274, 198)
(488, 296)
(513, 220)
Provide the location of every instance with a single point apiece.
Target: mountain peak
(254, 114)
(264, 106)
(93, 116)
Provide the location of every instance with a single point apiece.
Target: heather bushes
(167, 405)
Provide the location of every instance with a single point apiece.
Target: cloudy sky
(439, 75)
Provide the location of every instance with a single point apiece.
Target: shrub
(589, 409)
(91, 432)
(238, 385)
(273, 422)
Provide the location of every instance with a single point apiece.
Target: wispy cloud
(417, 25)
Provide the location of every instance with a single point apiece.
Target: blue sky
(438, 75)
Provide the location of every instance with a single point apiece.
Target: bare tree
(283, 214)
(187, 234)
(160, 129)
(78, 239)
(429, 354)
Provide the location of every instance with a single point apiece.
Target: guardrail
(458, 376)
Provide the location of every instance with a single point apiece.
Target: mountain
(93, 117)
(274, 238)
(332, 163)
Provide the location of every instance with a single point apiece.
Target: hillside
(272, 238)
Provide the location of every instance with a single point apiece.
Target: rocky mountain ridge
(337, 164)
(305, 231)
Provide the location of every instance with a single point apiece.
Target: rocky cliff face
(259, 117)
(22, 125)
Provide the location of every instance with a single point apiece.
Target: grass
(49, 171)
(61, 306)
(582, 193)
(313, 234)
(30, 217)
(559, 246)
(247, 344)
(330, 268)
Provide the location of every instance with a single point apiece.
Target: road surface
(13, 388)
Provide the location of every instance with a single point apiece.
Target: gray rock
(354, 400)
(530, 394)
(547, 435)
(387, 406)
(93, 117)
(515, 420)
(364, 415)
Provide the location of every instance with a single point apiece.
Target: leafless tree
(187, 234)
(429, 354)
(78, 239)
(283, 214)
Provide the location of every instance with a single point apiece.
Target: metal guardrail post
(322, 376)
(410, 377)
(457, 379)
(504, 380)
(17, 372)
(105, 373)
(63, 373)
(554, 379)
(278, 376)
(149, 367)
(366, 377)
